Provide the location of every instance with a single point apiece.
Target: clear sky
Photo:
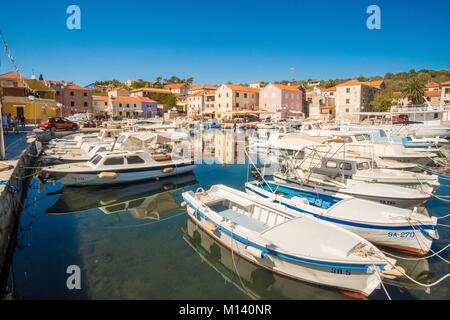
(219, 41)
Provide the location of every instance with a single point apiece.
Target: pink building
(282, 100)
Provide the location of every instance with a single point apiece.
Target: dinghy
(117, 167)
(406, 230)
(303, 248)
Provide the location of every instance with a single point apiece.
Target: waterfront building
(177, 88)
(234, 100)
(354, 97)
(72, 97)
(28, 97)
(445, 93)
(201, 103)
(281, 100)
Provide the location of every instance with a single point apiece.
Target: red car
(58, 124)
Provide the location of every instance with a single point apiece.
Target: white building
(353, 97)
(231, 99)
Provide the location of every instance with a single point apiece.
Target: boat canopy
(298, 141)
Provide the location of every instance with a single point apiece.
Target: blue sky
(219, 41)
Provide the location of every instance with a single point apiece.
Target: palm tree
(414, 91)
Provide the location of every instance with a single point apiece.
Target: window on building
(72, 103)
(237, 94)
(245, 95)
(85, 94)
(348, 90)
(237, 105)
(120, 105)
(347, 101)
(128, 105)
(85, 104)
(106, 103)
(116, 161)
(435, 116)
(227, 94)
(71, 93)
(58, 93)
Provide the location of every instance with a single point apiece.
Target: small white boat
(303, 248)
(403, 229)
(117, 167)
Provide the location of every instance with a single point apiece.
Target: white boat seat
(243, 220)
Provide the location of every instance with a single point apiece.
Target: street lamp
(32, 98)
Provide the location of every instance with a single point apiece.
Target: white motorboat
(117, 167)
(303, 248)
(76, 141)
(382, 193)
(85, 153)
(365, 169)
(403, 229)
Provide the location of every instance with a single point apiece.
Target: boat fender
(167, 170)
(183, 204)
(209, 225)
(107, 175)
(255, 252)
(394, 272)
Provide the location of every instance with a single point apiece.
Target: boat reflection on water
(143, 200)
(259, 283)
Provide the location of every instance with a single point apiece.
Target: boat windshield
(96, 159)
(362, 137)
(121, 138)
(363, 166)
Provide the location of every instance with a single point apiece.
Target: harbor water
(136, 242)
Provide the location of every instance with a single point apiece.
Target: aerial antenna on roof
(292, 72)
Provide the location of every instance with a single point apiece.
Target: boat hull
(122, 176)
(391, 201)
(360, 281)
(402, 236)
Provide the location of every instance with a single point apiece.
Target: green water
(136, 242)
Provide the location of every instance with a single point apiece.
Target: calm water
(136, 242)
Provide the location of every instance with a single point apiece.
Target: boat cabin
(338, 167)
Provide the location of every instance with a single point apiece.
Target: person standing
(5, 123)
(9, 122)
(22, 121)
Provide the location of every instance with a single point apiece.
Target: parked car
(87, 124)
(58, 124)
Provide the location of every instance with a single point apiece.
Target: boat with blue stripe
(403, 229)
(261, 232)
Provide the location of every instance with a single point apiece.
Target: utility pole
(2, 140)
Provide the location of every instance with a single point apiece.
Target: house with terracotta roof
(433, 97)
(28, 97)
(131, 107)
(445, 93)
(156, 94)
(72, 97)
(353, 97)
(100, 105)
(432, 86)
(177, 88)
(232, 99)
(281, 100)
(201, 104)
(201, 87)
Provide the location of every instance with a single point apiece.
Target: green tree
(383, 101)
(414, 90)
(170, 100)
(41, 77)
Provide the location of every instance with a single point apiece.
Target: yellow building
(28, 97)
